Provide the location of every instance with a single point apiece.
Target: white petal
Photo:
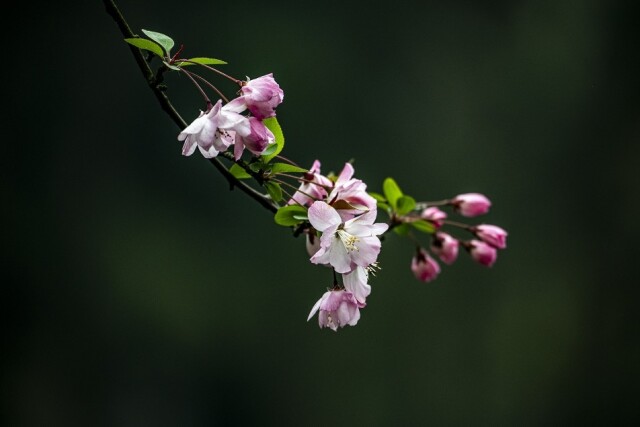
(322, 216)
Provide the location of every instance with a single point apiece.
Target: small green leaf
(384, 206)
(274, 190)
(286, 215)
(277, 168)
(162, 39)
(272, 124)
(301, 217)
(401, 230)
(424, 226)
(391, 191)
(238, 172)
(200, 60)
(378, 197)
(405, 204)
(171, 67)
(146, 45)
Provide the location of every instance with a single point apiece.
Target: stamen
(349, 241)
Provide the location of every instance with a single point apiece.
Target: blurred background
(141, 291)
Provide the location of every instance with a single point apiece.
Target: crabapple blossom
(313, 188)
(434, 215)
(256, 141)
(214, 131)
(345, 245)
(349, 195)
(262, 95)
(482, 252)
(445, 247)
(424, 267)
(491, 234)
(356, 283)
(471, 204)
(312, 243)
(337, 309)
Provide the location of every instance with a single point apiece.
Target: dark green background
(141, 291)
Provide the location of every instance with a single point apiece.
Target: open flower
(214, 131)
(345, 245)
(349, 195)
(262, 96)
(424, 267)
(337, 309)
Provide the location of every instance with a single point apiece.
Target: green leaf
(272, 124)
(277, 168)
(238, 172)
(146, 45)
(274, 190)
(384, 206)
(301, 217)
(401, 230)
(378, 197)
(162, 39)
(391, 191)
(286, 215)
(171, 67)
(424, 226)
(200, 60)
(405, 204)
(269, 150)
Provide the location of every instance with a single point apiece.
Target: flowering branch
(165, 104)
(336, 213)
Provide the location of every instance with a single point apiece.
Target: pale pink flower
(483, 253)
(214, 131)
(445, 247)
(349, 195)
(313, 188)
(256, 141)
(434, 215)
(345, 245)
(356, 283)
(262, 96)
(491, 234)
(471, 204)
(424, 267)
(337, 309)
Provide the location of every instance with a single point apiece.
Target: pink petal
(322, 216)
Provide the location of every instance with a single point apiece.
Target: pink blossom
(345, 245)
(214, 131)
(483, 253)
(471, 204)
(349, 195)
(337, 309)
(434, 215)
(424, 267)
(492, 234)
(313, 188)
(356, 283)
(256, 141)
(262, 96)
(445, 247)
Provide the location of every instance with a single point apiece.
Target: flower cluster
(222, 126)
(483, 245)
(343, 214)
(337, 213)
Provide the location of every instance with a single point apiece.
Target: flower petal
(322, 216)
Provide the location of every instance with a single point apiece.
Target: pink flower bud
(258, 138)
(492, 234)
(434, 215)
(483, 253)
(262, 96)
(471, 204)
(445, 247)
(424, 267)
